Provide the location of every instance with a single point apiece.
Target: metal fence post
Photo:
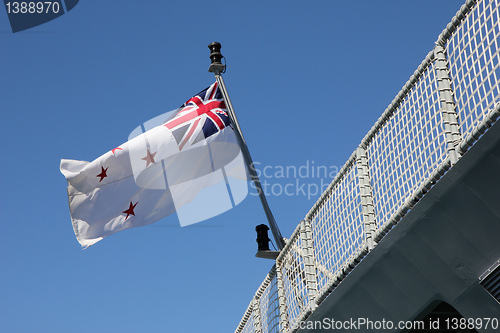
(281, 298)
(257, 326)
(448, 107)
(309, 262)
(367, 204)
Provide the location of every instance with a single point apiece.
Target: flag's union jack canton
(200, 117)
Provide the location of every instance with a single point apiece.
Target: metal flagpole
(218, 68)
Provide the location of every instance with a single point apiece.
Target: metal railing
(447, 104)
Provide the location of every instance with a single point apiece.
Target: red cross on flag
(189, 164)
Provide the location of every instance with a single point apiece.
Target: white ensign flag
(189, 164)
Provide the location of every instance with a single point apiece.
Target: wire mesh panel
(337, 227)
(269, 308)
(292, 266)
(408, 148)
(474, 58)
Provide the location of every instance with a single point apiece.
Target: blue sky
(307, 81)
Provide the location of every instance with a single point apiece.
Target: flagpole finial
(216, 66)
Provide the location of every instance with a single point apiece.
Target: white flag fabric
(189, 164)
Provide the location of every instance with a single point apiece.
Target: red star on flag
(130, 210)
(149, 158)
(102, 174)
